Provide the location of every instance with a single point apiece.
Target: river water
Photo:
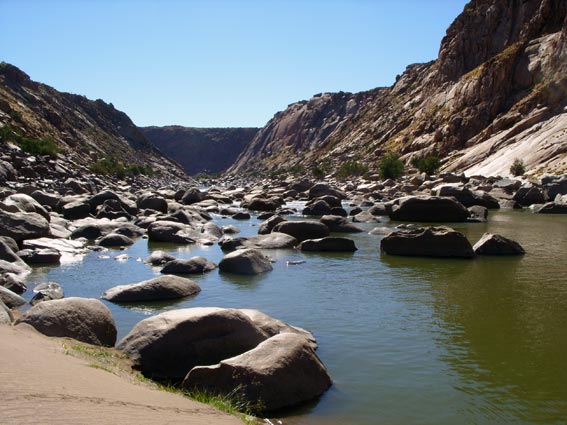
(406, 340)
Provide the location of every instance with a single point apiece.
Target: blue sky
(218, 63)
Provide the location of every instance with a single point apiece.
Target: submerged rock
(159, 288)
(193, 265)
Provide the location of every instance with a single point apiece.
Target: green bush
(318, 172)
(517, 168)
(427, 164)
(109, 167)
(43, 146)
(390, 166)
(137, 169)
(351, 168)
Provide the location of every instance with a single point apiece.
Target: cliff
(201, 150)
(497, 91)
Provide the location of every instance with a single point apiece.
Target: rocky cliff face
(83, 130)
(498, 91)
(201, 150)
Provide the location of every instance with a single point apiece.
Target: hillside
(201, 150)
(83, 136)
(496, 92)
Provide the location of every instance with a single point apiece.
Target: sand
(41, 384)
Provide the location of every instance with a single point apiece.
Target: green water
(406, 340)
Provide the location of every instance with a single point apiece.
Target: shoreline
(42, 382)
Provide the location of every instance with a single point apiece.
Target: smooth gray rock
(440, 241)
(193, 265)
(273, 240)
(170, 231)
(328, 244)
(115, 239)
(302, 230)
(160, 288)
(428, 209)
(491, 244)
(168, 345)
(282, 371)
(47, 292)
(152, 201)
(6, 316)
(20, 226)
(338, 224)
(268, 225)
(10, 298)
(159, 258)
(25, 203)
(245, 261)
(40, 256)
(83, 319)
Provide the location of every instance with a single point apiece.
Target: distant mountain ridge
(84, 131)
(498, 91)
(201, 150)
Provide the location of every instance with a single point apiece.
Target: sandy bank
(41, 384)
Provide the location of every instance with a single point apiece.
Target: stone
(192, 196)
(152, 201)
(170, 231)
(264, 204)
(268, 225)
(114, 240)
(241, 216)
(478, 214)
(40, 256)
(322, 189)
(10, 298)
(25, 203)
(193, 265)
(317, 208)
(529, 194)
(338, 224)
(440, 241)
(245, 261)
(282, 371)
(76, 210)
(168, 345)
(47, 292)
(13, 282)
(328, 244)
(8, 251)
(428, 209)
(466, 196)
(302, 230)
(491, 244)
(20, 226)
(158, 258)
(230, 230)
(365, 217)
(83, 319)
(160, 288)
(6, 316)
(46, 199)
(274, 240)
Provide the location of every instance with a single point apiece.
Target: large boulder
(152, 201)
(192, 196)
(338, 224)
(115, 239)
(491, 244)
(159, 258)
(268, 225)
(466, 196)
(6, 316)
(76, 210)
(318, 208)
(167, 346)
(273, 240)
(46, 292)
(20, 226)
(428, 209)
(322, 189)
(40, 256)
(20, 202)
(264, 204)
(302, 230)
(282, 371)
(170, 231)
(328, 244)
(245, 261)
(193, 265)
(529, 194)
(10, 298)
(159, 288)
(437, 241)
(83, 319)
(558, 206)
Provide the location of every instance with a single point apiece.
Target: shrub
(390, 166)
(517, 168)
(137, 169)
(427, 164)
(318, 172)
(351, 168)
(109, 167)
(43, 146)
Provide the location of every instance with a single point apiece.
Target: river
(406, 340)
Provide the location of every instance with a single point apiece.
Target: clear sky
(218, 63)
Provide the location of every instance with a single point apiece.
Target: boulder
(558, 206)
(317, 208)
(25, 203)
(192, 196)
(76, 210)
(152, 201)
(491, 244)
(170, 231)
(160, 288)
(302, 230)
(44, 198)
(529, 194)
(6, 316)
(47, 292)
(113, 209)
(478, 214)
(322, 189)
(114, 240)
(428, 209)
(338, 224)
(264, 204)
(268, 225)
(274, 240)
(10, 298)
(8, 250)
(466, 196)
(282, 371)
(440, 241)
(230, 230)
(245, 261)
(241, 216)
(328, 244)
(40, 256)
(83, 319)
(167, 346)
(193, 265)
(159, 258)
(365, 217)
(14, 282)
(20, 226)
